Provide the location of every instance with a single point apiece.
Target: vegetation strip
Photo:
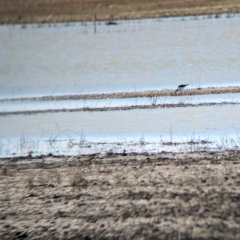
(121, 108)
(100, 158)
(46, 11)
(121, 95)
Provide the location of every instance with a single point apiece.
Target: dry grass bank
(150, 196)
(15, 11)
(147, 93)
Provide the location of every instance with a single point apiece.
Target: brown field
(148, 196)
(23, 11)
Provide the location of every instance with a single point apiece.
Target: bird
(181, 87)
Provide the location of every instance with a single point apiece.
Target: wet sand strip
(121, 108)
(120, 95)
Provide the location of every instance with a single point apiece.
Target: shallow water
(55, 59)
(113, 125)
(56, 132)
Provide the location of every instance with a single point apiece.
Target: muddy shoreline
(153, 100)
(147, 196)
(119, 95)
(121, 108)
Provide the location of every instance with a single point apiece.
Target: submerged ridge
(120, 108)
(147, 93)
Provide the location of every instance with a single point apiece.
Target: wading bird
(181, 87)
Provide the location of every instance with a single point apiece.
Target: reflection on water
(141, 54)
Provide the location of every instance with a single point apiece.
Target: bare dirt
(25, 11)
(112, 196)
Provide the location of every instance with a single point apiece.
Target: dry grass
(163, 196)
(80, 10)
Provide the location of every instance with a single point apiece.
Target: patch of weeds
(153, 100)
(55, 175)
(110, 152)
(22, 144)
(5, 170)
(82, 139)
(153, 181)
(29, 184)
(106, 164)
(43, 162)
(123, 184)
(58, 177)
(71, 143)
(80, 143)
(142, 140)
(78, 179)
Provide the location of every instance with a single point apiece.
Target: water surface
(55, 59)
(136, 130)
(111, 125)
(144, 54)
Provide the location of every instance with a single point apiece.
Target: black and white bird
(181, 87)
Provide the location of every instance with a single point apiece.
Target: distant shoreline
(52, 11)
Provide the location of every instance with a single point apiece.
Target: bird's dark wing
(183, 85)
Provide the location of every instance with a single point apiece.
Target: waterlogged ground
(174, 122)
(96, 89)
(133, 130)
(166, 52)
(122, 196)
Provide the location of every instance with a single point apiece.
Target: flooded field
(96, 144)
(40, 61)
(139, 129)
(53, 59)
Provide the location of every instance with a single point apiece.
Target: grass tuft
(29, 184)
(78, 179)
(5, 170)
